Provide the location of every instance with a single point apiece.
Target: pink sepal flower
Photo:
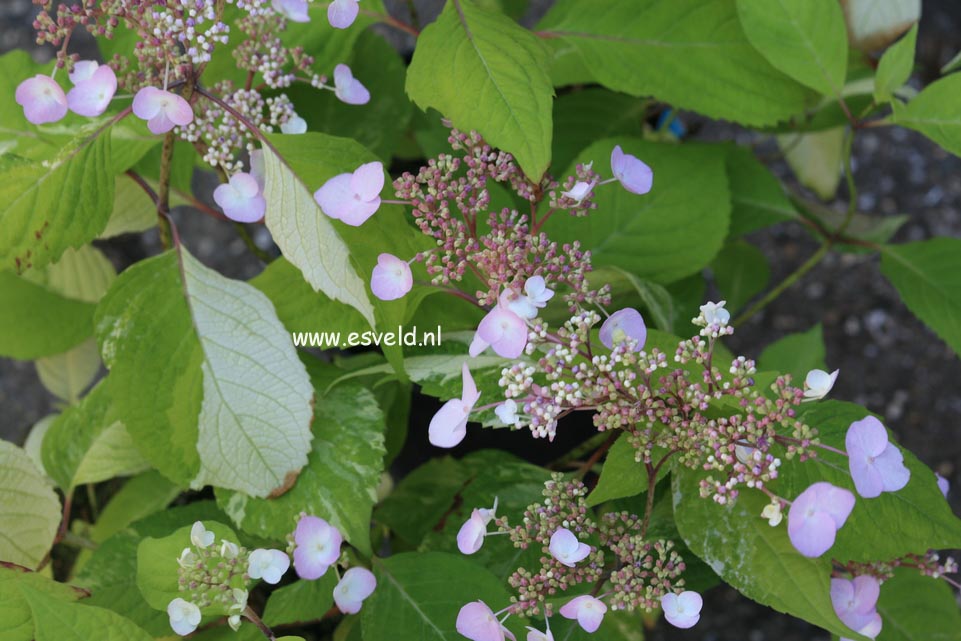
(342, 13)
(623, 324)
(347, 88)
(354, 587)
(567, 549)
(855, 602)
(293, 10)
(876, 464)
(241, 198)
(449, 425)
(816, 516)
(471, 535)
(503, 330)
(162, 110)
(682, 610)
(586, 610)
(42, 99)
(632, 173)
(353, 197)
(391, 278)
(94, 88)
(477, 622)
(316, 547)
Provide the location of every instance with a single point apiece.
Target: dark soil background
(890, 362)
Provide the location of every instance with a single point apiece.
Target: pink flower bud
(621, 325)
(342, 13)
(162, 110)
(634, 175)
(316, 547)
(816, 516)
(353, 197)
(876, 465)
(347, 88)
(94, 88)
(241, 198)
(42, 99)
(354, 587)
(682, 610)
(391, 278)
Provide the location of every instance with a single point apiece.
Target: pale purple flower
(161, 109)
(200, 536)
(503, 330)
(586, 610)
(855, 602)
(184, 616)
(818, 383)
(241, 198)
(391, 278)
(507, 412)
(579, 191)
(715, 314)
(943, 484)
(353, 197)
(477, 622)
(682, 610)
(295, 125)
(449, 425)
(268, 565)
(621, 325)
(42, 100)
(316, 547)
(533, 634)
(471, 535)
(342, 13)
(567, 549)
(876, 465)
(816, 516)
(293, 10)
(94, 88)
(347, 88)
(356, 585)
(634, 175)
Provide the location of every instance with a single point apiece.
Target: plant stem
(256, 620)
(598, 453)
(251, 245)
(795, 276)
(163, 190)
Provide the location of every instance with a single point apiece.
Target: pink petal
(588, 611)
(42, 99)
(891, 468)
(812, 535)
(82, 70)
(477, 622)
(354, 587)
(92, 96)
(308, 566)
(867, 479)
(342, 13)
(633, 174)
(293, 10)
(391, 278)
(471, 535)
(867, 590)
(357, 212)
(245, 184)
(505, 331)
(367, 181)
(448, 427)
(682, 610)
(867, 435)
(623, 323)
(347, 88)
(178, 110)
(147, 103)
(469, 393)
(335, 196)
(317, 546)
(477, 345)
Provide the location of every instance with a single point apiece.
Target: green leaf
(340, 479)
(86, 444)
(133, 210)
(751, 556)
(757, 197)
(581, 117)
(927, 274)
(301, 601)
(740, 273)
(141, 496)
(67, 375)
(235, 366)
(157, 566)
(36, 321)
(16, 619)
(59, 621)
(795, 354)
(918, 608)
(873, 24)
(895, 67)
(806, 39)
(935, 112)
(912, 520)
(815, 159)
(422, 498)
(485, 72)
(654, 298)
(29, 509)
(665, 235)
(46, 207)
(418, 596)
(692, 54)
(621, 476)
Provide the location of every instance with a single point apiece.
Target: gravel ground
(889, 361)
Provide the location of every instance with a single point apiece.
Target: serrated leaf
(416, 597)
(339, 481)
(29, 509)
(927, 274)
(485, 72)
(806, 39)
(740, 273)
(86, 444)
(895, 66)
(795, 354)
(47, 207)
(650, 236)
(935, 112)
(692, 54)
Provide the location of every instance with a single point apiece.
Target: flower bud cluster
(214, 576)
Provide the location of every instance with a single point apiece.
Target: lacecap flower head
(448, 427)
(42, 99)
(353, 197)
(316, 547)
(815, 517)
(876, 464)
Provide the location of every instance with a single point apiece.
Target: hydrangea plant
(531, 190)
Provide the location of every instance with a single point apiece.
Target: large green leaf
(795, 354)
(927, 274)
(340, 480)
(690, 53)
(29, 509)
(581, 117)
(301, 601)
(740, 273)
(621, 476)
(665, 235)
(757, 197)
(806, 39)
(753, 557)
(918, 608)
(236, 367)
(485, 72)
(141, 496)
(935, 112)
(418, 596)
(55, 620)
(46, 207)
(910, 521)
(16, 618)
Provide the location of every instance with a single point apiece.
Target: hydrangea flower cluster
(176, 41)
(611, 553)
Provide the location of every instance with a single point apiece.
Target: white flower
(296, 125)
(268, 565)
(772, 512)
(229, 550)
(744, 454)
(715, 314)
(200, 536)
(356, 585)
(236, 610)
(187, 558)
(507, 412)
(579, 191)
(184, 616)
(535, 296)
(234, 622)
(818, 383)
